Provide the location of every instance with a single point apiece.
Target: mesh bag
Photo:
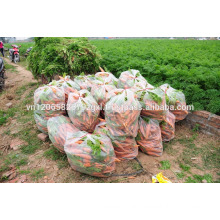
(125, 147)
(168, 127)
(41, 122)
(107, 77)
(153, 103)
(83, 110)
(58, 127)
(121, 114)
(149, 137)
(175, 99)
(68, 85)
(100, 92)
(85, 81)
(50, 101)
(90, 154)
(131, 78)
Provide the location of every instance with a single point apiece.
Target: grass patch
(24, 171)
(10, 67)
(37, 174)
(4, 115)
(29, 149)
(180, 175)
(185, 167)
(54, 154)
(165, 165)
(198, 178)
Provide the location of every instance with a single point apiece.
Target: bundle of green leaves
(57, 55)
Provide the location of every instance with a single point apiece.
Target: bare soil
(189, 147)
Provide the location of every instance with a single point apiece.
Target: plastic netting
(168, 127)
(90, 154)
(83, 110)
(149, 137)
(176, 99)
(131, 78)
(58, 127)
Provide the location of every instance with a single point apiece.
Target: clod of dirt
(16, 143)
(9, 97)
(9, 105)
(204, 181)
(42, 136)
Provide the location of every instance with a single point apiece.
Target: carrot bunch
(83, 110)
(153, 103)
(131, 78)
(58, 128)
(90, 153)
(149, 137)
(168, 127)
(176, 100)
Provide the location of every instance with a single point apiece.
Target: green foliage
(198, 178)
(58, 55)
(187, 65)
(165, 165)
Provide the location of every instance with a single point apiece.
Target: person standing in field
(2, 48)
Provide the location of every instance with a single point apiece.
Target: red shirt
(1, 45)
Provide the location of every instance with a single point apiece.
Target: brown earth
(189, 147)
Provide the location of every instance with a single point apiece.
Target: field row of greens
(188, 65)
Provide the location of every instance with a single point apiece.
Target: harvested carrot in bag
(85, 81)
(125, 147)
(41, 122)
(176, 99)
(68, 85)
(149, 137)
(90, 154)
(131, 78)
(168, 127)
(50, 101)
(83, 110)
(58, 127)
(100, 92)
(153, 103)
(108, 78)
(121, 114)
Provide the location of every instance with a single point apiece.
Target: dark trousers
(2, 51)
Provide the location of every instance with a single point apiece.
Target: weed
(185, 167)
(196, 128)
(37, 174)
(180, 175)
(29, 149)
(165, 165)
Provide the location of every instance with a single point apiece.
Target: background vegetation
(189, 65)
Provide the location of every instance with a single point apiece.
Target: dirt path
(191, 156)
(18, 78)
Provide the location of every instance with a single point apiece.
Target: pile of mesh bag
(98, 119)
